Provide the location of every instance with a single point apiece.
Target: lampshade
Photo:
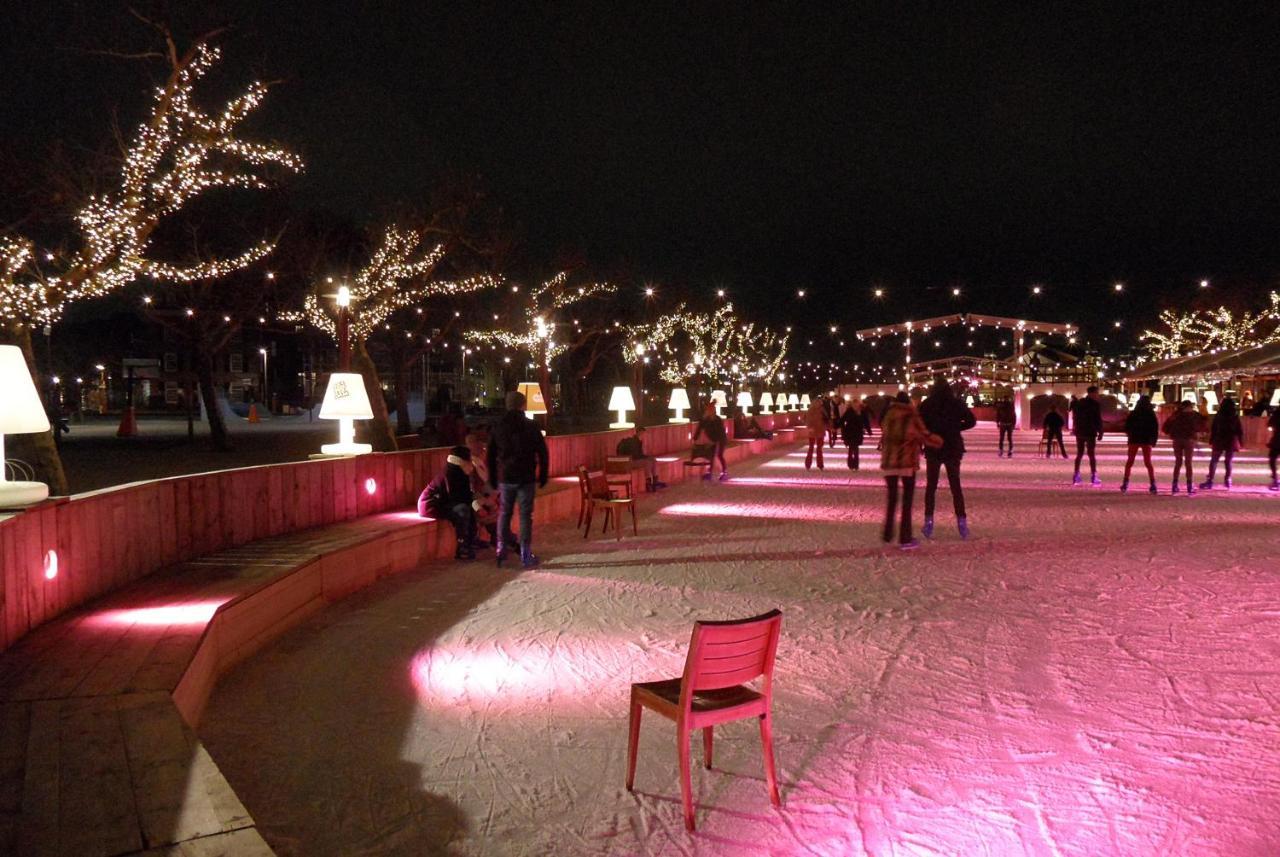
(533, 401)
(781, 401)
(804, 400)
(766, 400)
(679, 399)
(21, 412)
(345, 398)
(622, 400)
(793, 400)
(1275, 398)
(744, 399)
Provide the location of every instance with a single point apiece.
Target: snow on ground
(1091, 674)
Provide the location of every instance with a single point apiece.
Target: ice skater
(711, 426)
(1182, 428)
(1226, 437)
(855, 424)
(1086, 425)
(1273, 447)
(902, 433)
(1053, 424)
(1142, 430)
(946, 416)
(1006, 419)
(518, 467)
(815, 420)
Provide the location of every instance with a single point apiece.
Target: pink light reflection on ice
(784, 511)
(193, 613)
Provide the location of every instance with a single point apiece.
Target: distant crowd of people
(489, 474)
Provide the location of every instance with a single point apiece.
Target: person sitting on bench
(449, 498)
(633, 448)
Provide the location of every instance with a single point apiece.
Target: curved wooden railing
(63, 553)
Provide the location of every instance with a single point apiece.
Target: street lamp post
(266, 396)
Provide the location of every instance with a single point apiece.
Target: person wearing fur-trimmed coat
(902, 436)
(449, 497)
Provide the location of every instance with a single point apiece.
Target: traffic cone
(253, 413)
(128, 423)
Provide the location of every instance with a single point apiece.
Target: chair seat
(668, 691)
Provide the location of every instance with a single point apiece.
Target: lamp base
(621, 425)
(678, 421)
(346, 449)
(19, 495)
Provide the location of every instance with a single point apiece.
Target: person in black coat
(449, 498)
(1086, 425)
(854, 425)
(711, 426)
(1226, 435)
(946, 416)
(1053, 425)
(1006, 419)
(518, 466)
(1142, 430)
(1273, 447)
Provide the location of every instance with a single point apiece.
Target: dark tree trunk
(403, 424)
(38, 450)
(376, 431)
(204, 378)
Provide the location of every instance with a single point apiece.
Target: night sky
(762, 148)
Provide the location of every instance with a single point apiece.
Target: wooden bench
(97, 708)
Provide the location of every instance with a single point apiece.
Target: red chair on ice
(723, 656)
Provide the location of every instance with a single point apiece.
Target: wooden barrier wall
(106, 539)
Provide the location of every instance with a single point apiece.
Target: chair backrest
(728, 653)
(617, 464)
(598, 486)
(583, 480)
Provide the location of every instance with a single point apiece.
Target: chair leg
(635, 530)
(608, 516)
(770, 772)
(591, 511)
(633, 743)
(617, 524)
(686, 785)
(706, 746)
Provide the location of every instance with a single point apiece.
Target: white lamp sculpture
(744, 402)
(534, 404)
(1275, 398)
(720, 400)
(679, 403)
(1211, 400)
(804, 401)
(346, 401)
(766, 403)
(20, 413)
(794, 401)
(622, 401)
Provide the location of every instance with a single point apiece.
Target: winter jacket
(631, 447)
(1274, 425)
(901, 434)
(1053, 422)
(1005, 414)
(450, 488)
(947, 416)
(854, 425)
(712, 428)
(1086, 418)
(1226, 432)
(1142, 428)
(815, 419)
(1183, 425)
(517, 452)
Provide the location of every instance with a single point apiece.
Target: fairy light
(394, 279)
(1199, 331)
(177, 154)
(534, 334)
(719, 344)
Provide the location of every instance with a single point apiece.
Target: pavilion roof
(1245, 361)
(970, 318)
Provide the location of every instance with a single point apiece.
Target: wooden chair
(618, 472)
(722, 657)
(597, 494)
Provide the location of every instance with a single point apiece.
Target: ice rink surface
(1090, 674)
